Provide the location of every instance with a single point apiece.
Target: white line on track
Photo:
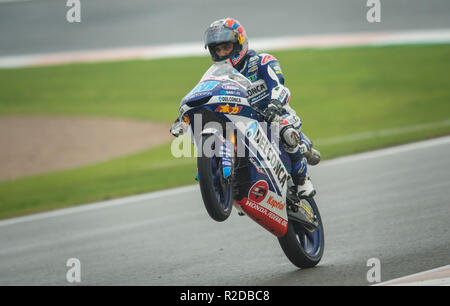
(382, 133)
(197, 49)
(100, 205)
(388, 151)
(192, 188)
(10, 1)
(435, 277)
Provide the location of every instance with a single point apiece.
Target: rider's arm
(273, 76)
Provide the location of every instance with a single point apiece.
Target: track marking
(192, 188)
(196, 49)
(388, 151)
(100, 205)
(435, 277)
(382, 133)
(13, 1)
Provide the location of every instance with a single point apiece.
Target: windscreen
(225, 70)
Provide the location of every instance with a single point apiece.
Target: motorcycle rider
(226, 39)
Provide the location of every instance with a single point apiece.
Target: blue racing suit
(264, 71)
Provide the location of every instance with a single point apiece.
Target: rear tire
(302, 247)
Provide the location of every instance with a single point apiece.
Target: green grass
(143, 172)
(136, 89)
(336, 92)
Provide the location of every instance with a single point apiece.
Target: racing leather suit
(264, 71)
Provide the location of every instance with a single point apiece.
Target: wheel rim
(310, 241)
(222, 187)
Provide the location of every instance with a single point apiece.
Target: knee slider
(290, 137)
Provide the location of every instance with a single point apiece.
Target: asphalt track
(390, 204)
(40, 26)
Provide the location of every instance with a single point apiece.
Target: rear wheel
(216, 191)
(304, 246)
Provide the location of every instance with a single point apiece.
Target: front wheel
(216, 191)
(304, 246)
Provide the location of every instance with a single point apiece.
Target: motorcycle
(256, 181)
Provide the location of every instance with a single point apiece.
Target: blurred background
(37, 26)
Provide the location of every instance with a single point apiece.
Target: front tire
(303, 247)
(216, 192)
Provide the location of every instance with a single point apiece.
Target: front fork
(225, 153)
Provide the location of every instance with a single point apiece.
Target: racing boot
(305, 188)
(295, 144)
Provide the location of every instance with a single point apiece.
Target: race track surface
(40, 26)
(390, 204)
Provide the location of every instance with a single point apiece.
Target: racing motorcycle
(256, 182)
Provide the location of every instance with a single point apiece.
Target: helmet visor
(217, 37)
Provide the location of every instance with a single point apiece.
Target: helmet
(227, 30)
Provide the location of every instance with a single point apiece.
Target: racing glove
(177, 128)
(273, 111)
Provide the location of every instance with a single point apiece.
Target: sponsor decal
(258, 191)
(282, 95)
(256, 89)
(199, 94)
(284, 122)
(253, 60)
(253, 77)
(252, 128)
(230, 99)
(307, 209)
(279, 93)
(271, 215)
(230, 93)
(252, 69)
(227, 109)
(267, 58)
(205, 86)
(271, 157)
(233, 93)
(259, 98)
(277, 69)
(231, 87)
(236, 59)
(257, 207)
(275, 204)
